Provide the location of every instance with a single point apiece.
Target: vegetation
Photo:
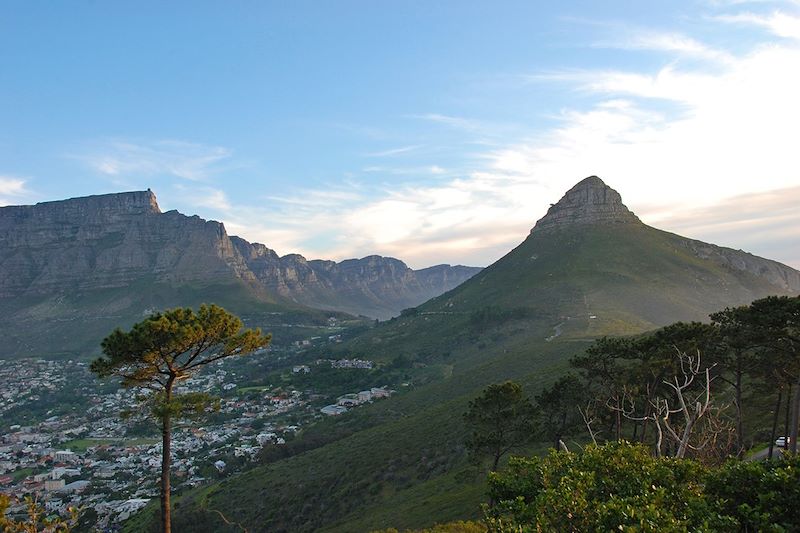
(501, 420)
(622, 487)
(166, 348)
(459, 526)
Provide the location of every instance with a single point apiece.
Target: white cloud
(203, 197)
(12, 189)
(121, 158)
(778, 23)
(667, 42)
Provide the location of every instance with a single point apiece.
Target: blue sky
(429, 131)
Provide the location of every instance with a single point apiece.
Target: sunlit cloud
(13, 190)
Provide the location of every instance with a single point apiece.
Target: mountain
(72, 270)
(375, 286)
(588, 268)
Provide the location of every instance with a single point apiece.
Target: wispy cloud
(461, 123)
(395, 151)
(778, 23)
(181, 159)
(666, 42)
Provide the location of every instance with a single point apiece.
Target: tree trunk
(166, 459)
(786, 419)
(739, 422)
(795, 417)
(775, 423)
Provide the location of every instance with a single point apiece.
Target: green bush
(615, 487)
(762, 496)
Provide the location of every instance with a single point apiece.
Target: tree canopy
(501, 419)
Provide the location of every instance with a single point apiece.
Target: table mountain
(72, 270)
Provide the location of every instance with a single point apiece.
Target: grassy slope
(73, 323)
(408, 468)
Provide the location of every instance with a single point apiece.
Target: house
(381, 392)
(333, 410)
(364, 396)
(53, 484)
(66, 456)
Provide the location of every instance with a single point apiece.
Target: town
(71, 441)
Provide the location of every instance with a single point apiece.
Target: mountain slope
(588, 268)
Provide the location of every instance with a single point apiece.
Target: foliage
(615, 487)
(460, 526)
(501, 419)
(621, 487)
(37, 520)
(762, 496)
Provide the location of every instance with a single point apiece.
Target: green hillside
(401, 462)
(72, 323)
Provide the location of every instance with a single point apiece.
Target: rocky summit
(590, 201)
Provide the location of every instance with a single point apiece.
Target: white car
(782, 441)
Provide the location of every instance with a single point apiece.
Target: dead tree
(692, 405)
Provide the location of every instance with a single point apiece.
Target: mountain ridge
(103, 261)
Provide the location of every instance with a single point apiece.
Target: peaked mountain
(72, 270)
(588, 268)
(590, 256)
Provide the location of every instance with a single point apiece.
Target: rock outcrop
(590, 201)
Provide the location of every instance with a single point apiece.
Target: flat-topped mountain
(72, 270)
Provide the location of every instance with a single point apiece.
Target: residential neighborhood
(71, 441)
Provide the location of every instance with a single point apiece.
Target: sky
(431, 131)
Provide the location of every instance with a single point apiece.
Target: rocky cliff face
(108, 241)
(590, 201)
(373, 286)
